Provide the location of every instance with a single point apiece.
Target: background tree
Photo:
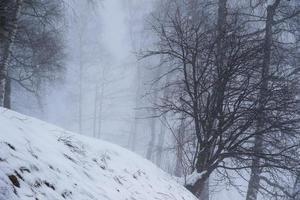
(36, 51)
(9, 27)
(278, 15)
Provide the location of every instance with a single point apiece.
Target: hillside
(39, 161)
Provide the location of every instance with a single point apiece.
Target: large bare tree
(216, 53)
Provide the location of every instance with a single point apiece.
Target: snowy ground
(39, 161)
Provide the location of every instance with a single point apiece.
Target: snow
(194, 177)
(39, 161)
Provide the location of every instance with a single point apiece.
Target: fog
(105, 39)
(202, 88)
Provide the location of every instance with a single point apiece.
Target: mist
(109, 62)
(206, 90)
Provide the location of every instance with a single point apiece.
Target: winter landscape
(149, 100)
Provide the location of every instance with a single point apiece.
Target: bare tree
(215, 64)
(33, 37)
(11, 24)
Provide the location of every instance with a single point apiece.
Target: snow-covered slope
(39, 161)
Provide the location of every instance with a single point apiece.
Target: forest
(206, 90)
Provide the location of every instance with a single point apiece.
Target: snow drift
(39, 161)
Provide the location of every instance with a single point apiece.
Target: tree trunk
(179, 149)
(7, 96)
(160, 145)
(161, 137)
(132, 139)
(296, 188)
(100, 112)
(80, 85)
(205, 193)
(200, 188)
(152, 136)
(253, 186)
(133, 135)
(220, 87)
(96, 99)
(153, 118)
(6, 51)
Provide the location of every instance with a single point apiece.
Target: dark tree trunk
(7, 96)
(179, 149)
(6, 47)
(254, 182)
(200, 188)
